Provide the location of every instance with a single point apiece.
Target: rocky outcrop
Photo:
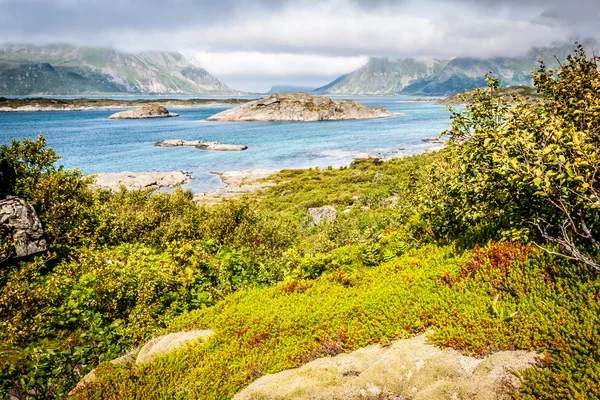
(366, 157)
(409, 369)
(326, 213)
(144, 113)
(167, 343)
(199, 144)
(141, 180)
(299, 107)
(237, 183)
(22, 224)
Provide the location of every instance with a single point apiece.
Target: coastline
(48, 104)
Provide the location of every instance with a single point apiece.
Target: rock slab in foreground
(144, 113)
(199, 144)
(409, 369)
(319, 214)
(23, 226)
(141, 180)
(299, 107)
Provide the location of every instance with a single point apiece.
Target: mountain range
(434, 77)
(71, 70)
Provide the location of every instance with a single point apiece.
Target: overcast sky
(253, 44)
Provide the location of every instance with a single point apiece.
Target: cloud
(284, 37)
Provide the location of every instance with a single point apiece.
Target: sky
(254, 44)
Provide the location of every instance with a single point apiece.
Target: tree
(531, 169)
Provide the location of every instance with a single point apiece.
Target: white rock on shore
(144, 113)
(299, 107)
(141, 180)
(237, 183)
(199, 144)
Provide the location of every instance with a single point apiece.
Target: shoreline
(49, 105)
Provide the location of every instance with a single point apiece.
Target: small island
(199, 144)
(147, 112)
(296, 107)
(527, 93)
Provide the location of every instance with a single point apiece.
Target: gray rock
(23, 225)
(326, 213)
(299, 107)
(408, 369)
(144, 113)
(167, 343)
(199, 144)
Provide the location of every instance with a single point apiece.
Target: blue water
(89, 141)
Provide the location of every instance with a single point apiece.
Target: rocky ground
(299, 107)
(237, 183)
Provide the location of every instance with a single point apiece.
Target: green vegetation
(454, 241)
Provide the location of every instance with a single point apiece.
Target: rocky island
(147, 112)
(299, 107)
(199, 144)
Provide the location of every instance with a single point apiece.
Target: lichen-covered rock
(326, 213)
(199, 144)
(144, 113)
(409, 369)
(299, 107)
(24, 228)
(167, 343)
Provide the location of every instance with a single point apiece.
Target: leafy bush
(529, 171)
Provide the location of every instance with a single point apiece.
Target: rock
(326, 213)
(141, 180)
(167, 343)
(436, 140)
(199, 144)
(366, 157)
(144, 113)
(90, 378)
(236, 183)
(23, 226)
(410, 368)
(299, 107)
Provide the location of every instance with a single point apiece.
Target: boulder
(326, 213)
(167, 343)
(144, 113)
(408, 369)
(296, 107)
(23, 226)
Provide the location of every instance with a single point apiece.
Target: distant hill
(290, 89)
(466, 97)
(444, 77)
(71, 70)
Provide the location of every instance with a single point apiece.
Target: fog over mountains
(72, 70)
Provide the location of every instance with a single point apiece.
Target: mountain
(383, 76)
(71, 70)
(290, 89)
(443, 78)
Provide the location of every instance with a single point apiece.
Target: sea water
(89, 141)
